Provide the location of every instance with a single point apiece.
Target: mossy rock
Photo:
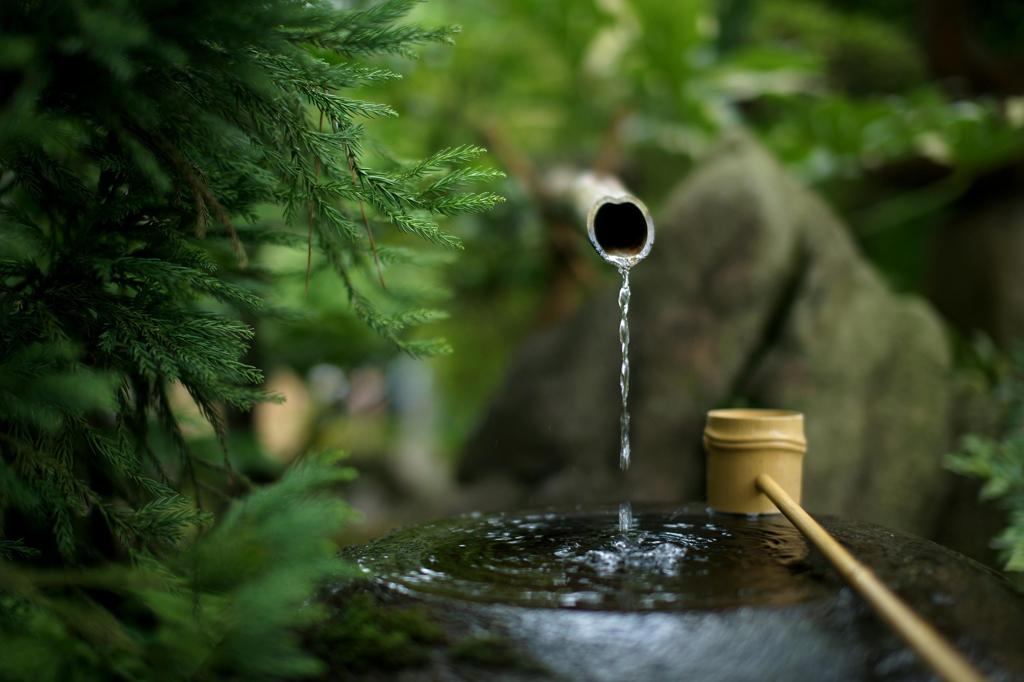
(376, 634)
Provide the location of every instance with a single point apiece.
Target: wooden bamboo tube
(742, 443)
(755, 462)
(619, 225)
(933, 649)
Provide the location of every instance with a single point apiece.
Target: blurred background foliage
(907, 116)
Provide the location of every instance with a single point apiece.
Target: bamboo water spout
(619, 225)
(621, 230)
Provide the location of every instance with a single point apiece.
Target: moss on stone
(488, 650)
(366, 635)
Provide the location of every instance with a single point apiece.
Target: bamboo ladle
(755, 464)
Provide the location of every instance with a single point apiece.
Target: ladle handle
(938, 653)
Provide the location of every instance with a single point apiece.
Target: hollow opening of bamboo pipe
(620, 229)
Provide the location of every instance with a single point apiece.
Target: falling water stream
(625, 517)
(624, 294)
(625, 509)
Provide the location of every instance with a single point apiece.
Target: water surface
(667, 560)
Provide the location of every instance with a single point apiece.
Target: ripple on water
(668, 560)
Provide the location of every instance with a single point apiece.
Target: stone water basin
(687, 594)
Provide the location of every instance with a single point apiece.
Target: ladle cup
(755, 460)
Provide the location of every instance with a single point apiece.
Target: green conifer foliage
(142, 145)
